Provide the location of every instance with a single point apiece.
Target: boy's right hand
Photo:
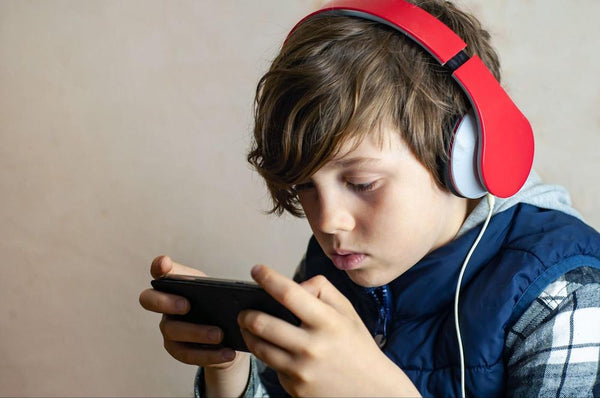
(186, 342)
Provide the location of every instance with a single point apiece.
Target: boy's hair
(337, 79)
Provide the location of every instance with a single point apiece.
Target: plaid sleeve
(254, 389)
(553, 350)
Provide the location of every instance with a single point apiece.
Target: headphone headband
(435, 37)
(505, 139)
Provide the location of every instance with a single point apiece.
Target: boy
(353, 128)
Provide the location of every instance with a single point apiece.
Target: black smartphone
(219, 301)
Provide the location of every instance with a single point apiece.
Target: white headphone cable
(491, 200)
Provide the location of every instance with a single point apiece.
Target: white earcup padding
(463, 159)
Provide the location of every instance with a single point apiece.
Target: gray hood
(534, 192)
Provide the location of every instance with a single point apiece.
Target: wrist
(230, 381)
(397, 382)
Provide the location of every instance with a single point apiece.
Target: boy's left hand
(331, 353)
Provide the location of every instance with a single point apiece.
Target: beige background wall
(123, 129)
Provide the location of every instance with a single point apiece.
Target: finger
(325, 291)
(273, 330)
(193, 354)
(276, 357)
(291, 295)
(163, 265)
(186, 332)
(164, 303)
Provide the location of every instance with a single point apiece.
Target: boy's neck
(471, 205)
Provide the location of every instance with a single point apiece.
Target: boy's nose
(335, 216)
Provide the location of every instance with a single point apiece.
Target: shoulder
(553, 348)
(530, 247)
(542, 246)
(550, 235)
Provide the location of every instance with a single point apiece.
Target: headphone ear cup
(462, 169)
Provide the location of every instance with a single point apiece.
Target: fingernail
(228, 355)
(214, 335)
(181, 305)
(240, 317)
(257, 269)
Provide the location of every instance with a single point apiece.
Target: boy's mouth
(345, 260)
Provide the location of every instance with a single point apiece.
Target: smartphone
(219, 301)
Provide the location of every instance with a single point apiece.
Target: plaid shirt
(553, 350)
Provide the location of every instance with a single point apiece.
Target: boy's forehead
(368, 148)
(382, 139)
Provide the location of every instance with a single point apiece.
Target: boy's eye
(362, 187)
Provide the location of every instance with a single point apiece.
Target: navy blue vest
(523, 250)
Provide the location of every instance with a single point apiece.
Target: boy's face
(376, 210)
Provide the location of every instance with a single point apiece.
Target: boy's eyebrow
(356, 161)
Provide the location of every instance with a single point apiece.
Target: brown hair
(339, 78)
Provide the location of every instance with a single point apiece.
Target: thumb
(163, 265)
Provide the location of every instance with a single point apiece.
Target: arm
(226, 371)
(257, 386)
(553, 349)
(330, 353)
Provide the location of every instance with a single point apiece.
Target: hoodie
(534, 192)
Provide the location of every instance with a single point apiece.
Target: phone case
(219, 301)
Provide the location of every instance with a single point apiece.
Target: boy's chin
(368, 278)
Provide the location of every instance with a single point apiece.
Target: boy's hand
(186, 341)
(331, 353)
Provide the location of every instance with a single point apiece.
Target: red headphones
(491, 149)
